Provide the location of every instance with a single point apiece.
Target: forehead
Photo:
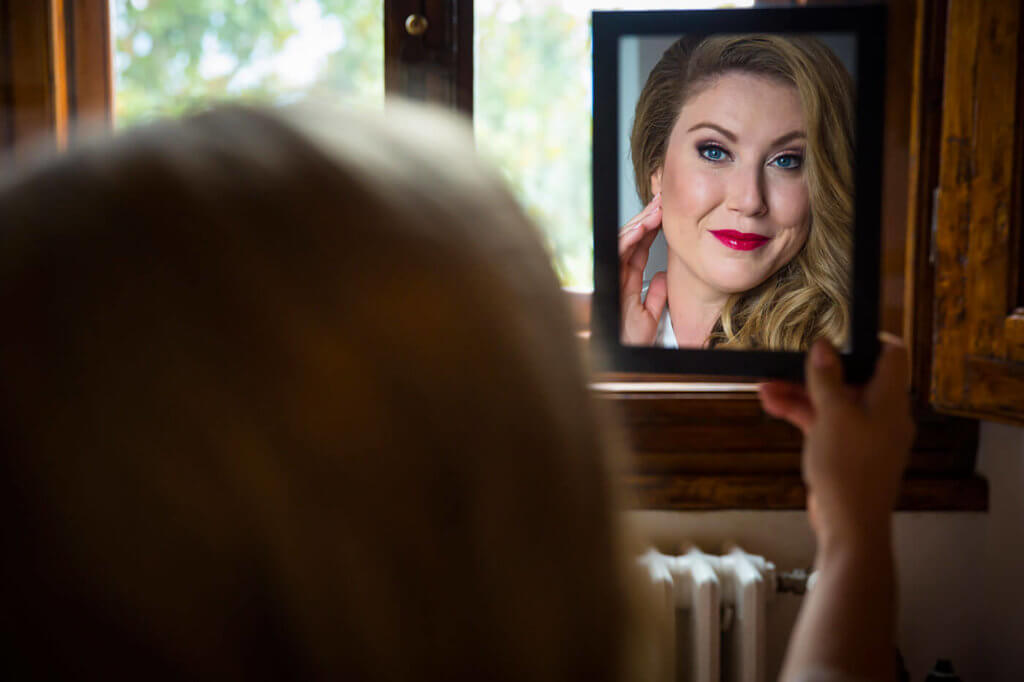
(749, 105)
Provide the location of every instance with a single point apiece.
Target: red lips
(741, 241)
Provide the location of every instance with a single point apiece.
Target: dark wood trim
(7, 134)
(729, 433)
(925, 136)
(56, 70)
(32, 84)
(436, 66)
(89, 62)
(896, 165)
(787, 492)
(1015, 283)
(58, 59)
(464, 28)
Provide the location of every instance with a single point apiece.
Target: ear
(656, 181)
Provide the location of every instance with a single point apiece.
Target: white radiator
(715, 611)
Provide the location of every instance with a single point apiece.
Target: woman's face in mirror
(734, 190)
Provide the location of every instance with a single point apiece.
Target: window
(170, 57)
(532, 112)
(694, 449)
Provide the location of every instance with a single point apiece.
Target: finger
(625, 274)
(824, 374)
(787, 390)
(632, 283)
(812, 511)
(888, 389)
(631, 224)
(652, 218)
(631, 240)
(643, 251)
(628, 239)
(657, 294)
(785, 403)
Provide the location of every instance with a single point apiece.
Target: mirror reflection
(737, 215)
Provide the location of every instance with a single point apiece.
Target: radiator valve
(797, 581)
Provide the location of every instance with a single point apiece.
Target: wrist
(864, 541)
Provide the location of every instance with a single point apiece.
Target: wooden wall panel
(977, 354)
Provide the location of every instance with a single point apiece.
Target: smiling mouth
(740, 241)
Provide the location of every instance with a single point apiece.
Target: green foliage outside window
(173, 56)
(532, 117)
(532, 102)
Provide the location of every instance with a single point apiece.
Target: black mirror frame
(868, 23)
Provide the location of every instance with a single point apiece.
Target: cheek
(689, 193)
(791, 203)
(792, 209)
(796, 241)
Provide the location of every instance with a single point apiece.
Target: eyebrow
(731, 136)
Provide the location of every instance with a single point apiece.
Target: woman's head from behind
(285, 402)
(749, 140)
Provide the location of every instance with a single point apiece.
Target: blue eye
(711, 152)
(788, 161)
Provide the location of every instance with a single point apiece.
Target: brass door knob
(416, 24)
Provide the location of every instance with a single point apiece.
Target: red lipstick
(741, 241)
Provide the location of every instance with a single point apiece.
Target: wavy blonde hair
(809, 297)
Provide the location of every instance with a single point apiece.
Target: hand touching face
(734, 190)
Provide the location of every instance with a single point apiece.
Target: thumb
(889, 386)
(657, 294)
(824, 375)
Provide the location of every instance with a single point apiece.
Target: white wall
(961, 575)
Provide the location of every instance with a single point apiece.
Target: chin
(736, 285)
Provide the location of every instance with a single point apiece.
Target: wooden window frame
(436, 65)
(979, 340)
(697, 450)
(56, 70)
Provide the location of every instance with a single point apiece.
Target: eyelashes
(709, 151)
(716, 153)
(792, 161)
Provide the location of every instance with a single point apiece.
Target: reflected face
(736, 206)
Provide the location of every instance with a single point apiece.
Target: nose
(746, 191)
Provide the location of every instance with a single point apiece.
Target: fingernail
(890, 339)
(821, 355)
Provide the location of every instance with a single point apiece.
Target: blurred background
(532, 82)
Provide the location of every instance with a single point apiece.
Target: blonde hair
(809, 297)
(294, 395)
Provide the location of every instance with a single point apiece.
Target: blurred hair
(809, 297)
(293, 395)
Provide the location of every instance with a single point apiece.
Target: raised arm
(856, 442)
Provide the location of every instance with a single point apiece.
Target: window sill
(712, 450)
(683, 492)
